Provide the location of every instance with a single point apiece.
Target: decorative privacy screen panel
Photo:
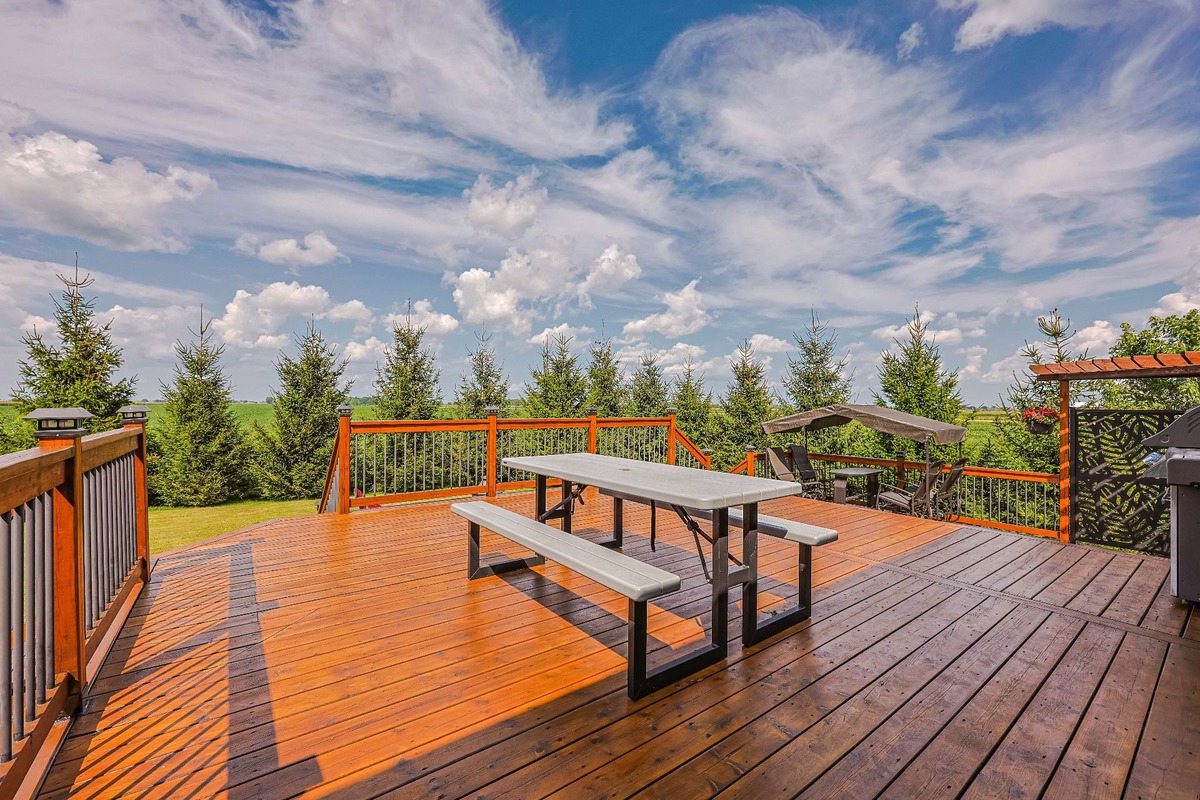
(1111, 503)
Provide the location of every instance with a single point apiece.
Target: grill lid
(1183, 432)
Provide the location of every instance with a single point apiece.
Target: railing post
(58, 429)
(708, 452)
(343, 472)
(671, 436)
(751, 460)
(593, 431)
(491, 449)
(1064, 461)
(135, 418)
(901, 468)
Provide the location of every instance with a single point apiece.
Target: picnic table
(689, 492)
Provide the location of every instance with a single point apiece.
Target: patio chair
(916, 502)
(805, 474)
(945, 499)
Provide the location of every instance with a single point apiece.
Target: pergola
(1160, 365)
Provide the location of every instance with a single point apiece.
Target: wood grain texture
(347, 656)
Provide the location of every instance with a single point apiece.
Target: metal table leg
(754, 631)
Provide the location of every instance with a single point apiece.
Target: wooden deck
(348, 657)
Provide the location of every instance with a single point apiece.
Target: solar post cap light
(56, 422)
(133, 414)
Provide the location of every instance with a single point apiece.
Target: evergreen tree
(605, 389)
(199, 452)
(557, 388)
(293, 456)
(693, 406)
(816, 378)
(648, 389)
(747, 404)
(914, 380)
(407, 384)
(1012, 445)
(485, 383)
(78, 372)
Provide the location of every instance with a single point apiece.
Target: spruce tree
(484, 384)
(747, 404)
(1162, 334)
(914, 380)
(200, 453)
(292, 456)
(557, 387)
(816, 377)
(77, 372)
(406, 385)
(605, 389)
(693, 406)
(648, 389)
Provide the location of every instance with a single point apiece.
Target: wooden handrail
(43, 488)
(698, 454)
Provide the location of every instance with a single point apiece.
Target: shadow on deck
(349, 657)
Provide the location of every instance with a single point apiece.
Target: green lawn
(174, 527)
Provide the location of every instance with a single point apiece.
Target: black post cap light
(53, 423)
(134, 414)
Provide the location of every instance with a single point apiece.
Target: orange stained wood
(1160, 365)
(348, 656)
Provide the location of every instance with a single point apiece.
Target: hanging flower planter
(1040, 420)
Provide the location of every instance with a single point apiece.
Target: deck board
(349, 657)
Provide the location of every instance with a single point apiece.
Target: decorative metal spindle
(6, 649)
(48, 583)
(16, 616)
(28, 612)
(39, 596)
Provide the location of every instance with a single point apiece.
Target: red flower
(1040, 415)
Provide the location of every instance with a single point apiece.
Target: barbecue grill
(1180, 466)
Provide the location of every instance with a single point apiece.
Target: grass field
(175, 527)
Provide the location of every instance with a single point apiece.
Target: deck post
(671, 436)
(492, 436)
(751, 460)
(593, 430)
(1064, 461)
(135, 418)
(70, 631)
(708, 451)
(343, 446)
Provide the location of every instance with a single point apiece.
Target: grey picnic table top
(663, 483)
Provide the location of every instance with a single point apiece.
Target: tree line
(199, 453)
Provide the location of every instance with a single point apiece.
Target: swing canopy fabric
(880, 418)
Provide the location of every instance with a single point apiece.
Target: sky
(678, 177)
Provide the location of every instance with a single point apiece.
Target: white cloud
(1003, 370)
(371, 349)
(1096, 338)
(672, 359)
(378, 87)
(150, 332)
(992, 20)
(764, 343)
(974, 357)
(63, 186)
(561, 329)
(912, 38)
(421, 315)
(255, 320)
(503, 297)
(685, 314)
(609, 272)
(507, 211)
(314, 251)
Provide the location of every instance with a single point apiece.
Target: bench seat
(621, 573)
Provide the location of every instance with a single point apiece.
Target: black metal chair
(917, 502)
(945, 499)
(804, 472)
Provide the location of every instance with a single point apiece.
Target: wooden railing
(1025, 502)
(379, 462)
(74, 558)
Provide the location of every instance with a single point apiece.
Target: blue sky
(678, 176)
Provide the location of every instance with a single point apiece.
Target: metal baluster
(39, 595)
(48, 582)
(89, 549)
(6, 652)
(16, 619)
(27, 612)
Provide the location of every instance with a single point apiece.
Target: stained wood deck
(349, 657)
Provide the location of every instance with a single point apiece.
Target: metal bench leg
(641, 680)
(618, 522)
(653, 526)
(476, 570)
(754, 631)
